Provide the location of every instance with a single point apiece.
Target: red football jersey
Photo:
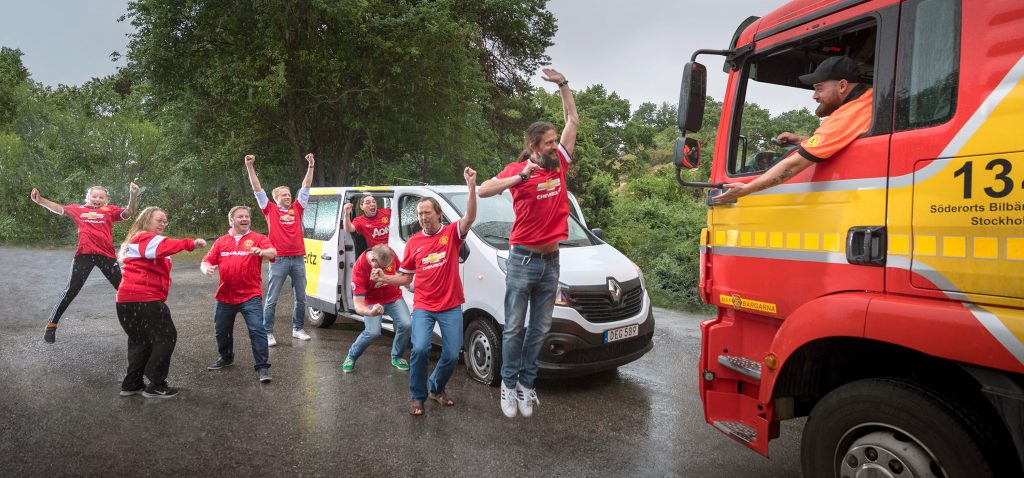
(541, 203)
(375, 229)
(95, 228)
(146, 274)
(240, 278)
(372, 292)
(435, 261)
(285, 228)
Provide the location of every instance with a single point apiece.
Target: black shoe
(161, 391)
(264, 375)
(219, 364)
(51, 334)
(128, 393)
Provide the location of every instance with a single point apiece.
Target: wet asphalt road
(60, 413)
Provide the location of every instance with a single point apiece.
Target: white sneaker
(271, 341)
(508, 401)
(525, 398)
(301, 334)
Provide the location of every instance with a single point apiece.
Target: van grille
(594, 303)
(609, 351)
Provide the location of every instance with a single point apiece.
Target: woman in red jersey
(146, 263)
(95, 220)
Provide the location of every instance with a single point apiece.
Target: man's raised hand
(552, 75)
(470, 176)
(309, 159)
(250, 159)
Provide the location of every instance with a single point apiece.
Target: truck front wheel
(893, 428)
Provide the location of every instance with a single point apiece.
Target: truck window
(320, 220)
(928, 64)
(771, 77)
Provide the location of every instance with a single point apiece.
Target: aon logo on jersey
(380, 232)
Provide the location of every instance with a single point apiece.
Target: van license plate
(621, 333)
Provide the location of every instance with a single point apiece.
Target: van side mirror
(463, 252)
(598, 232)
(692, 94)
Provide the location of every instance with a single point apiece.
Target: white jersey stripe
(154, 243)
(132, 252)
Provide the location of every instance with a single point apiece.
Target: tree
(360, 84)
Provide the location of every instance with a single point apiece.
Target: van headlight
(640, 273)
(562, 296)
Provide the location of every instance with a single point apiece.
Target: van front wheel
(482, 343)
(319, 318)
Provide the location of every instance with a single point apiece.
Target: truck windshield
(494, 216)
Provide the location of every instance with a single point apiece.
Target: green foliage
(378, 90)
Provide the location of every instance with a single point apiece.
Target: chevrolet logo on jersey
(434, 258)
(91, 215)
(549, 185)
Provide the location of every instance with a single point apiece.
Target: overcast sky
(635, 48)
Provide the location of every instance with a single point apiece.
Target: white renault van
(602, 317)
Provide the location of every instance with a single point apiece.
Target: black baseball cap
(833, 68)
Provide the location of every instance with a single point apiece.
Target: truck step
(737, 430)
(742, 365)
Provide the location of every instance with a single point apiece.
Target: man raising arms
(284, 224)
(432, 256)
(541, 204)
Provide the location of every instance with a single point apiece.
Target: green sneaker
(400, 364)
(349, 365)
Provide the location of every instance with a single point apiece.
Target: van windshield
(494, 216)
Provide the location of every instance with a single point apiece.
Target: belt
(526, 252)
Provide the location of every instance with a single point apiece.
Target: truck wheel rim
(887, 452)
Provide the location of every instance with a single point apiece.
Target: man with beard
(847, 105)
(540, 200)
(238, 256)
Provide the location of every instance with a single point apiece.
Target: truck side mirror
(692, 93)
(687, 153)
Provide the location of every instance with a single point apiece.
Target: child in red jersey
(95, 220)
(141, 310)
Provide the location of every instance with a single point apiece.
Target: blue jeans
(281, 268)
(399, 313)
(423, 321)
(529, 281)
(224, 324)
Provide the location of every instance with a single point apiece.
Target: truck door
(787, 245)
(322, 232)
(956, 208)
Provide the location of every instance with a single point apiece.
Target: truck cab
(879, 292)
(603, 316)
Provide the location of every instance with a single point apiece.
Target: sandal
(416, 407)
(441, 398)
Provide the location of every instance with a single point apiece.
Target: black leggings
(151, 339)
(80, 269)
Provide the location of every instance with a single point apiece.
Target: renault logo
(614, 291)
